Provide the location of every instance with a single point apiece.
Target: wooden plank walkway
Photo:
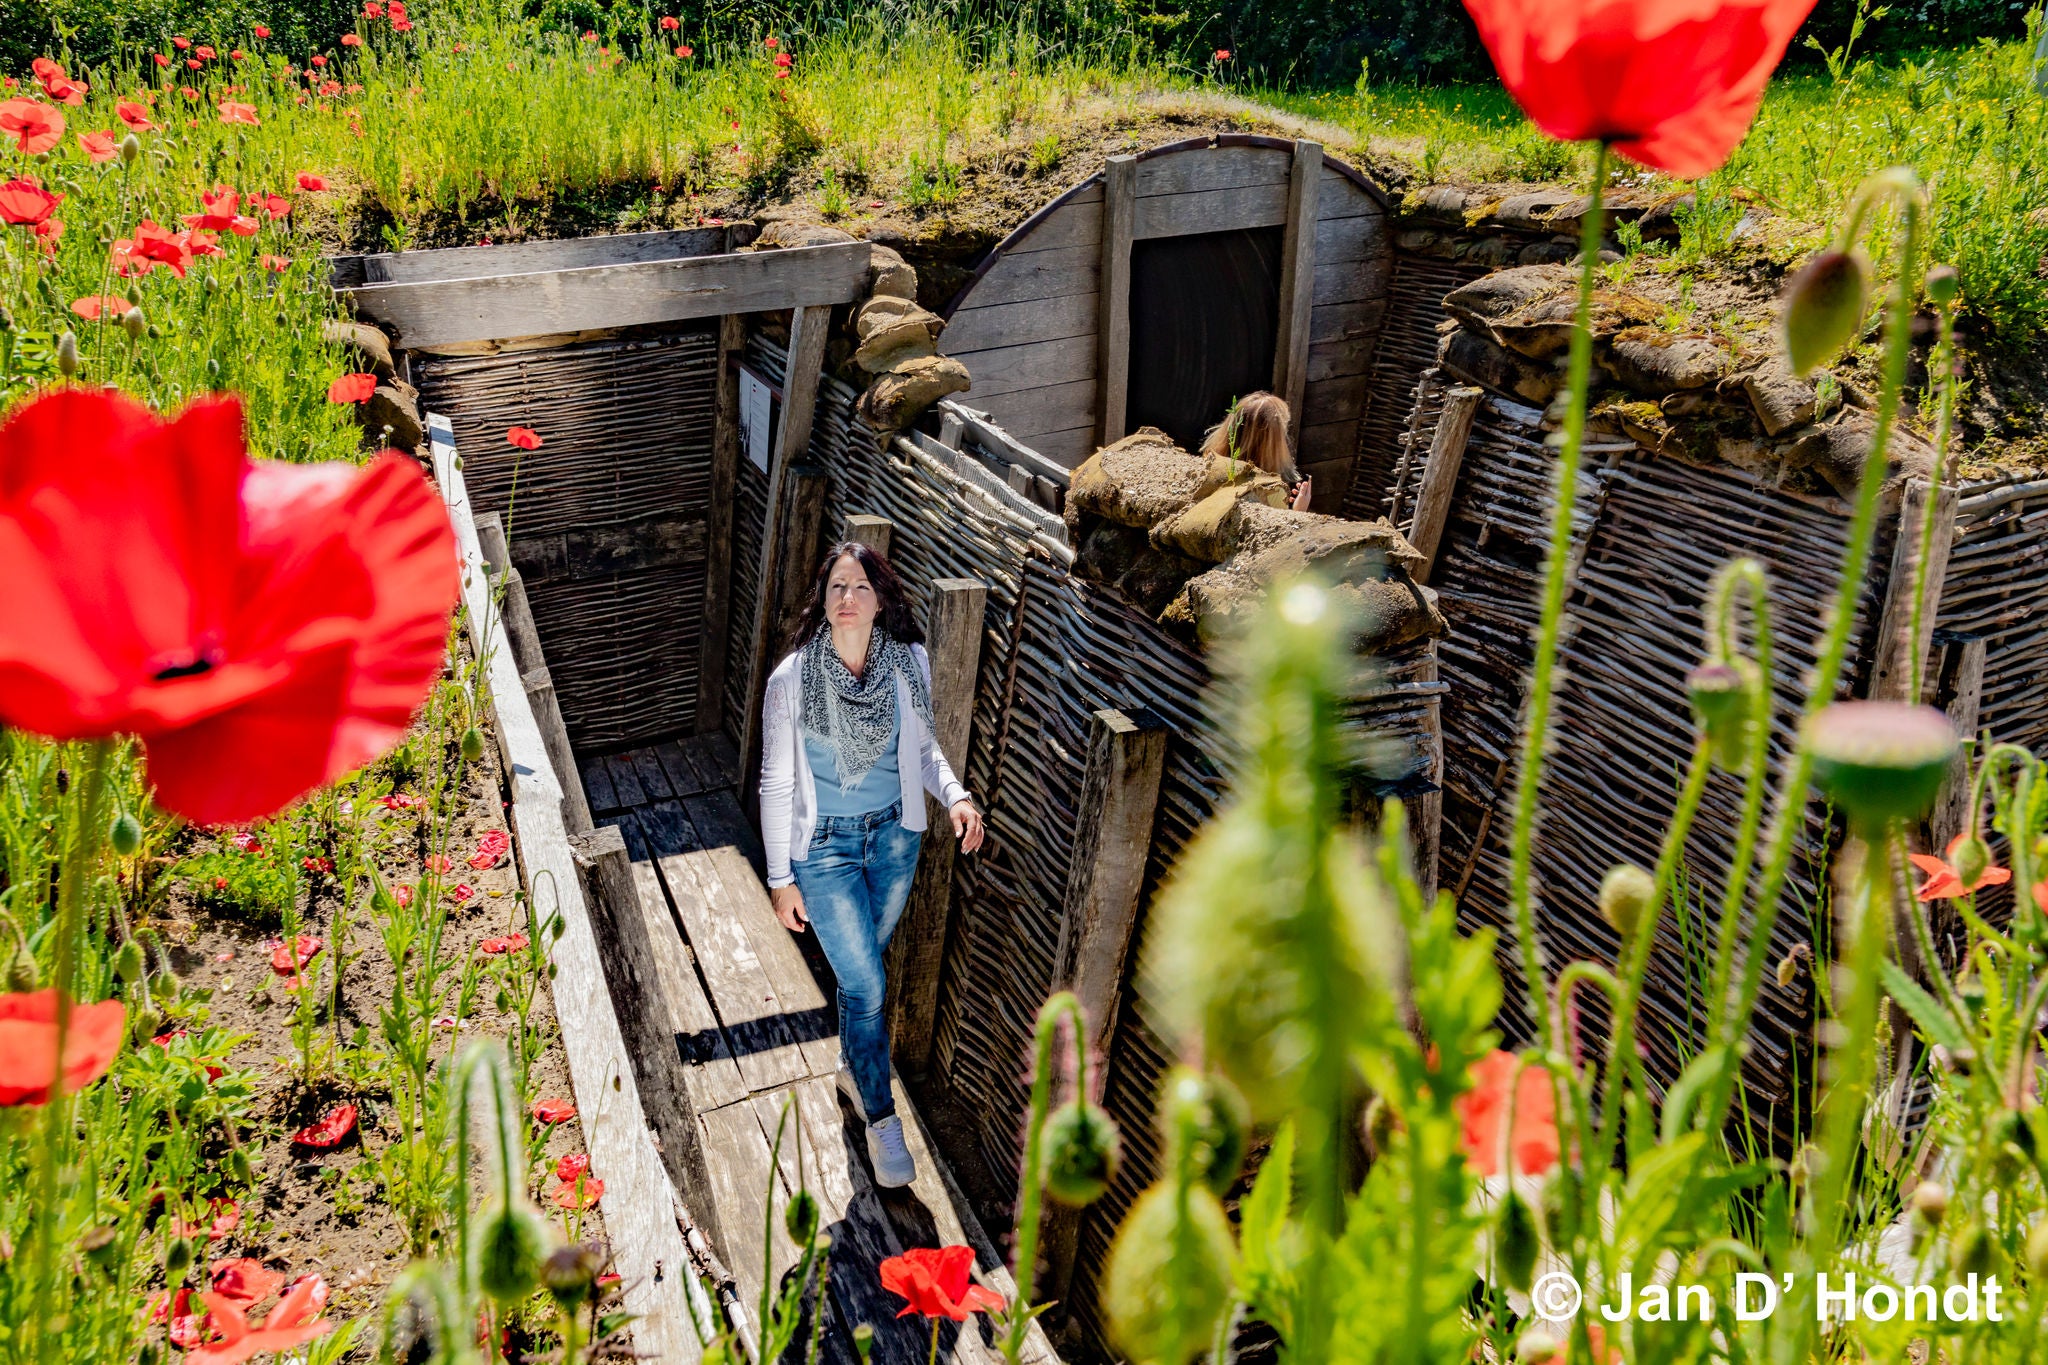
(764, 1040)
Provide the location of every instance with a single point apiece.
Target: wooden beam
(953, 640)
(633, 942)
(660, 1289)
(472, 262)
(725, 467)
(439, 312)
(874, 532)
(1112, 837)
(1113, 327)
(1425, 833)
(1959, 690)
(1891, 673)
(1297, 283)
(1440, 475)
(554, 734)
(592, 551)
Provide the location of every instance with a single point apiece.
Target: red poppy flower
(590, 35)
(438, 863)
(311, 864)
(260, 31)
(553, 1111)
(186, 1327)
(571, 1166)
(352, 388)
(783, 59)
(220, 214)
(274, 206)
(336, 1124)
(188, 92)
(770, 43)
(237, 55)
(461, 893)
(373, 10)
(181, 43)
(1670, 83)
(44, 69)
(295, 1321)
(193, 64)
(1222, 54)
(403, 895)
(276, 265)
(36, 127)
(65, 90)
(351, 40)
(246, 842)
(582, 1195)
(160, 59)
(28, 1044)
(203, 53)
(24, 203)
(231, 112)
(136, 116)
(311, 183)
(317, 60)
(95, 306)
(286, 962)
(936, 1282)
(526, 438)
(491, 848)
(201, 242)
(403, 801)
(244, 1280)
(670, 23)
(330, 88)
(150, 247)
(1484, 1112)
(223, 1217)
(100, 147)
(264, 628)
(686, 51)
(1944, 883)
(497, 947)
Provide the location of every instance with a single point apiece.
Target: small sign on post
(757, 417)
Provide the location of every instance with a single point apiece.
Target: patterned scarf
(856, 716)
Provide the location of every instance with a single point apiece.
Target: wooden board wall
(1025, 326)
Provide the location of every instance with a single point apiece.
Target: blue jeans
(855, 879)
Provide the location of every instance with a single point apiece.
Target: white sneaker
(852, 1094)
(889, 1154)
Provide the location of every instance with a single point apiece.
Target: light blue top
(880, 788)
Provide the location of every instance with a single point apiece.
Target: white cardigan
(789, 793)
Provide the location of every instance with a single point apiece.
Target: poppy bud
(1208, 1112)
(147, 1355)
(63, 781)
(1824, 306)
(1788, 967)
(557, 927)
(1972, 1252)
(6, 321)
(570, 1273)
(1540, 1345)
(1880, 761)
(504, 1000)
(1970, 858)
(1625, 893)
(67, 354)
(98, 1245)
(1808, 1162)
(1168, 1281)
(1943, 284)
(239, 1165)
(1720, 696)
(800, 1218)
(863, 1341)
(1930, 1201)
(177, 1259)
(126, 835)
(131, 147)
(1970, 987)
(509, 1250)
(128, 963)
(1520, 1243)
(1081, 1148)
(212, 368)
(472, 744)
(1381, 1123)
(153, 331)
(22, 974)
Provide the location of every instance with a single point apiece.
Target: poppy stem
(1029, 1191)
(1940, 366)
(933, 1358)
(1543, 669)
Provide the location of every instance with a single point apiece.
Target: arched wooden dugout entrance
(1184, 235)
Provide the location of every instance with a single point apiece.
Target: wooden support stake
(646, 1015)
(1891, 674)
(1440, 475)
(1959, 690)
(522, 635)
(953, 640)
(1425, 834)
(1113, 302)
(1112, 838)
(725, 468)
(876, 533)
(1297, 282)
(807, 330)
(547, 713)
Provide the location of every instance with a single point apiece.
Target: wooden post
(1297, 282)
(874, 532)
(1113, 302)
(632, 971)
(1425, 835)
(807, 330)
(1891, 673)
(522, 634)
(916, 954)
(1112, 836)
(795, 550)
(547, 713)
(1440, 475)
(725, 467)
(1959, 690)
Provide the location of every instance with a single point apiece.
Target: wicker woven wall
(1997, 591)
(627, 428)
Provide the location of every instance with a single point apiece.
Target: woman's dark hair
(894, 616)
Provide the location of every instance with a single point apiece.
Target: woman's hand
(1299, 502)
(789, 907)
(967, 825)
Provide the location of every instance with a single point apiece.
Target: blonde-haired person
(1254, 432)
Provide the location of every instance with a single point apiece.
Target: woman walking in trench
(847, 754)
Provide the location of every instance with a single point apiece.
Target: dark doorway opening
(1204, 320)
